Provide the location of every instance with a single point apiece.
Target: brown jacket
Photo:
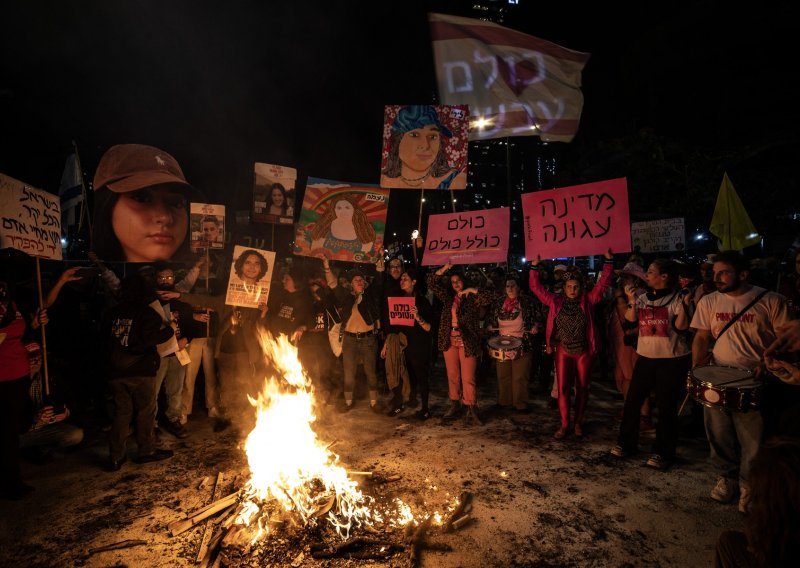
(469, 315)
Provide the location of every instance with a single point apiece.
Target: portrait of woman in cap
(417, 151)
(141, 205)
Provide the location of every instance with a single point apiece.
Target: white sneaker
(725, 490)
(744, 499)
(213, 412)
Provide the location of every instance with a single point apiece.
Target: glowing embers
(295, 478)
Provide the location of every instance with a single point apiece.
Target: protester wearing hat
(360, 313)
(623, 335)
(141, 205)
(417, 157)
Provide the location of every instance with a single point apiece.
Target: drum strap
(741, 313)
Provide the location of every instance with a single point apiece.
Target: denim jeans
(171, 373)
(355, 351)
(726, 430)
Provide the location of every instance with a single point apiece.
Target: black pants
(666, 377)
(418, 364)
(14, 413)
(134, 398)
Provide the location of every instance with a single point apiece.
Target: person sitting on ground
(572, 332)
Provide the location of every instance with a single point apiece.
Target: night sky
(221, 85)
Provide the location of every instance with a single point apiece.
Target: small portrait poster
(250, 277)
(343, 221)
(274, 194)
(207, 225)
(425, 147)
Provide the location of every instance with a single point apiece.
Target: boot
(471, 417)
(452, 412)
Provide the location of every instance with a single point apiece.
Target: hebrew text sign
(467, 238)
(31, 219)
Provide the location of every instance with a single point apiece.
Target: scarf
(511, 305)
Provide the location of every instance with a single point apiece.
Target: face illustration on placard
(344, 209)
(419, 147)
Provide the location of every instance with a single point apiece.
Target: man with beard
(735, 437)
(171, 372)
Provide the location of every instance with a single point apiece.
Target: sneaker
(725, 490)
(471, 417)
(619, 452)
(656, 461)
(452, 411)
(395, 410)
(560, 433)
(423, 414)
(744, 499)
(177, 429)
(115, 465)
(157, 455)
(214, 412)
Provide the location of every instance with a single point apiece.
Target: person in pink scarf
(571, 331)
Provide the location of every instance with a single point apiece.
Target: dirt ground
(537, 501)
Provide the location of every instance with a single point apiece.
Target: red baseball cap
(128, 167)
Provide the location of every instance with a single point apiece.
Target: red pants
(569, 368)
(461, 376)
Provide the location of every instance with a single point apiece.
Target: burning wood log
(181, 525)
(117, 546)
(208, 530)
(356, 548)
(464, 506)
(418, 541)
(461, 521)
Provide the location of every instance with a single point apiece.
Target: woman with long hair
(343, 226)
(278, 202)
(572, 332)
(459, 339)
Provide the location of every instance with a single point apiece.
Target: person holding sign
(141, 205)
(572, 332)
(459, 339)
(514, 317)
(417, 353)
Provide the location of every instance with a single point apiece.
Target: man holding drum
(756, 313)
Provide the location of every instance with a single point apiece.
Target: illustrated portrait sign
(207, 225)
(471, 237)
(577, 221)
(660, 235)
(250, 277)
(400, 310)
(343, 221)
(274, 194)
(425, 147)
(31, 219)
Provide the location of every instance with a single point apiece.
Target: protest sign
(577, 221)
(207, 225)
(31, 219)
(400, 310)
(250, 277)
(343, 221)
(660, 235)
(425, 147)
(274, 194)
(467, 238)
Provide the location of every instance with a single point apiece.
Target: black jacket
(135, 332)
(369, 308)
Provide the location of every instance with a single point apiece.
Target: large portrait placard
(274, 194)
(343, 221)
(207, 225)
(250, 277)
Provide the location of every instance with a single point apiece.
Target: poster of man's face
(207, 224)
(274, 194)
(250, 276)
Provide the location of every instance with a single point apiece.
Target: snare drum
(505, 347)
(730, 388)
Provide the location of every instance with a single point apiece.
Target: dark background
(675, 94)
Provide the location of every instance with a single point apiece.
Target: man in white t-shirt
(741, 345)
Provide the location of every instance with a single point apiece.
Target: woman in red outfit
(572, 332)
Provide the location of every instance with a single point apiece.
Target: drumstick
(683, 404)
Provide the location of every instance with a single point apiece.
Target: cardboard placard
(468, 237)
(31, 219)
(250, 277)
(400, 310)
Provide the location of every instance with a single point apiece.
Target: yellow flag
(731, 223)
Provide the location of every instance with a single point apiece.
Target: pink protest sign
(400, 310)
(577, 221)
(467, 238)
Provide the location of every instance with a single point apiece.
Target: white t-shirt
(657, 337)
(744, 343)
